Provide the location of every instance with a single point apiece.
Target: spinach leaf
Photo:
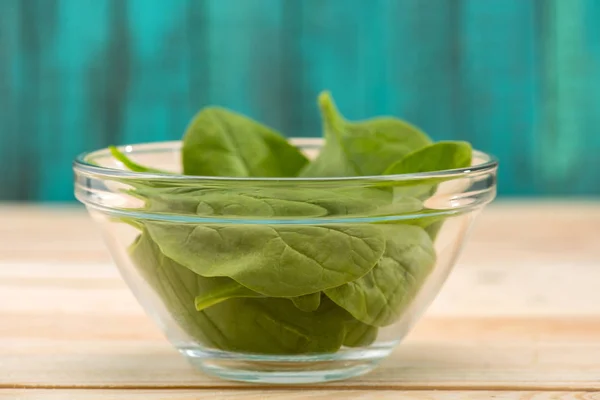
(166, 200)
(250, 325)
(308, 302)
(276, 326)
(272, 202)
(132, 165)
(380, 297)
(361, 148)
(359, 334)
(224, 202)
(254, 204)
(177, 288)
(222, 289)
(336, 201)
(361, 201)
(433, 228)
(277, 260)
(436, 157)
(219, 142)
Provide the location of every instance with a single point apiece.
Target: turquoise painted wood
(518, 78)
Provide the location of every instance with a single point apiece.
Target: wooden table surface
(519, 318)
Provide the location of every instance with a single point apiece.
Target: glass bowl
(281, 280)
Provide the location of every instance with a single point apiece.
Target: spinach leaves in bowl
(322, 276)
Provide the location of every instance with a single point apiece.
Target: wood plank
(293, 394)
(84, 320)
(251, 60)
(571, 57)
(11, 82)
(332, 53)
(499, 89)
(471, 291)
(520, 311)
(520, 232)
(147, 96)
(75, 69)
(414, 365)
(96, 326)
(422, 56)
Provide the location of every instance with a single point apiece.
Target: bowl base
(286, 370)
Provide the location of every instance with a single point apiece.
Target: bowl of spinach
(265, 259)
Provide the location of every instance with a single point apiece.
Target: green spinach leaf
(276, 326)
(254, 204)
(308, 302)
(177, 287)
(380, 297)
(271, 202)
(359, 334)
(132, 165)
(219, 142)
(222, 289)
(249, 325)
(361, 148)
(277, 260)
(436, 157)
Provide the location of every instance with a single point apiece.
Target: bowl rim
(82, 164)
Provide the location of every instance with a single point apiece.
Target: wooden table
(518, 319)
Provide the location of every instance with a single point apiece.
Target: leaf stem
(132, 165)
(329, 111)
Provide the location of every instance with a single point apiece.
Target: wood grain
(417, 364)
(513, 232)
(511, 103)
(186, 394)
(519, 316)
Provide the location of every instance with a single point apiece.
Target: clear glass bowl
(297, 280)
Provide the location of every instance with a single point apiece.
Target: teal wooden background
(519, 78)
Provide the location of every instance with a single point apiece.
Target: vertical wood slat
(422, 76)
(158, 70)
(245, 52)
(331, 49)
(499, 87)
(70, 112)
(591, 93)
(10, 80)
(518, 78)
(384, 57)
(569, 143)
